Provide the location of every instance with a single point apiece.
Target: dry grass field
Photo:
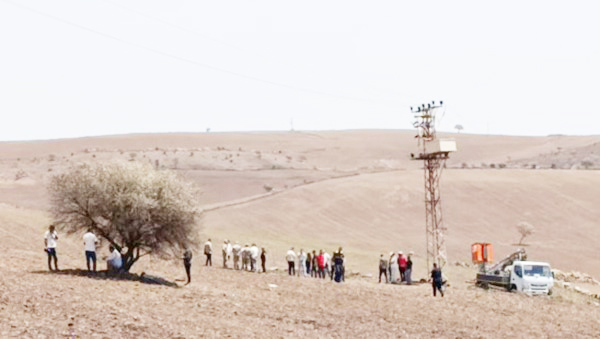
(356, 189)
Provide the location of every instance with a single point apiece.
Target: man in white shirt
(113, 262)
(291, 260)
(236, 249)
(302, 263)
(50, 239)
(229, 250)
(89, 244)
(254, 253)
(208, 252)
(224, 249)
(245, 257)
(327, 257)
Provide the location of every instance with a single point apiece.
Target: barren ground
(353, 189)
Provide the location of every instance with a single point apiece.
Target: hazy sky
(73, 68)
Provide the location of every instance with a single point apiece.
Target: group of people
(319, 265)
(114, 261)
(247, 255)
(404, 264)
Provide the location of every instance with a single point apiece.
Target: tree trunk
(128, 259)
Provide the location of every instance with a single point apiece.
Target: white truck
(516, 274)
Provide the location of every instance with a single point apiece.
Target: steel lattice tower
(434, 158)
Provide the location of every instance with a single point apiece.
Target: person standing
(301, 263)
(208, 252)
(322, 264)
(236, 255)
(390, 262)
(402, 266)
(338, 265)
(315, 265)
(291, 260)
(254, 254)
(187, 263)
(263, 259)
(90, 241)
(229, 250)
(308, 262)
(50, 239)
(328, 268)
(224, 250)
(245, 257)
(383, 268)
(408, 272)
(436, 280)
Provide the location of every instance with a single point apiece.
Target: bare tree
(136, 208)
(458, 128)
(525, 229)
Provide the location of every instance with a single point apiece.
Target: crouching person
(114, 263)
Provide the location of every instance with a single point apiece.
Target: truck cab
(531, 277)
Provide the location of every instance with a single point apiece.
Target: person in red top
(402, 263)
(322, 264)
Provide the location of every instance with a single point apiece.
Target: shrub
(136, 208)
(525, 229)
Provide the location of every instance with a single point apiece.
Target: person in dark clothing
(308, 262)
(408, 272)
(383, 268)
(187, 263)
(314, 265)
(338, 264)
(436, 280)
(208, 252)
(263, 259)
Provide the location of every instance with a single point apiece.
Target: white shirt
(254, 252)
(50, 239)
(229, 248)
(89, 242)
(327, 258)
(301, 257)
(236, 249)
(290, 256)
(115, 258)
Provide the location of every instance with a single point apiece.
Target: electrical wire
(187, 60)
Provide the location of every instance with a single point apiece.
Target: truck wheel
(550, 292)
(512, 288)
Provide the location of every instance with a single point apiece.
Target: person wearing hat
(383, 268)
(402, 265)
(408, 272)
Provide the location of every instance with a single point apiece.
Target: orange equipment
(482, 253)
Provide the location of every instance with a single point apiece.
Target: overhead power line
(187, 60)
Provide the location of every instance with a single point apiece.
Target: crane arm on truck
(521, 255)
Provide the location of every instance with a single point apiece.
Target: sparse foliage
(525, 229)
(136, 208)
(458, 128)
(20, 175)
(587, 164)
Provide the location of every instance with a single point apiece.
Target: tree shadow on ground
(104, 275)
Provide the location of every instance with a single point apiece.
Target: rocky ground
(223, 303)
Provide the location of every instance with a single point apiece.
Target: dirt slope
(356, 189)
